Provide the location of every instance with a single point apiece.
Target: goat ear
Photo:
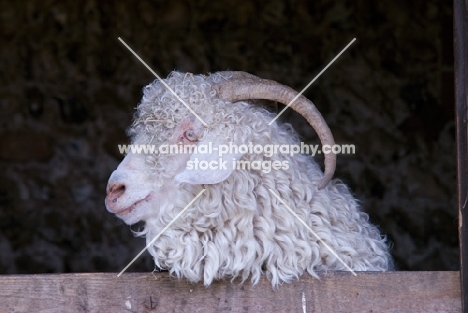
(208, 168)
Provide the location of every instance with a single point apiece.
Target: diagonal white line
(160, 233)
(313, 233)
(308, 85)
(159, 78)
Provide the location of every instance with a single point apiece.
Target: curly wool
(237, 228)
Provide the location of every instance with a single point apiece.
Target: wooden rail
(145, 292)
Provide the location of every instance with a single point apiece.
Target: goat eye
(190, 135)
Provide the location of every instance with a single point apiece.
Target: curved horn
(245, 86)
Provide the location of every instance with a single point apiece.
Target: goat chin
(237, 228)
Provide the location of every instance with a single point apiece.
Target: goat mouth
(131, 208)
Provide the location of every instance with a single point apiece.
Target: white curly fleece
(237, 228)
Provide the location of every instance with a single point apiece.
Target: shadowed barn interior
(69, 88)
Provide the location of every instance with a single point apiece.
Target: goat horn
(245, 86)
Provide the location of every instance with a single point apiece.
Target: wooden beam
(137, 292)
(461, 98)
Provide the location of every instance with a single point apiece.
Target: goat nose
(114, 191)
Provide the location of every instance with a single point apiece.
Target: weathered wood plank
(138, 292)
(460, 32)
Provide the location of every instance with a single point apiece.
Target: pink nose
(115, 191)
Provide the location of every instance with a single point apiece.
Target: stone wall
(68, 89)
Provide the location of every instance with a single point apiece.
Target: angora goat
(237, 228)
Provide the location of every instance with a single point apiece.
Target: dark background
(68, 89)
